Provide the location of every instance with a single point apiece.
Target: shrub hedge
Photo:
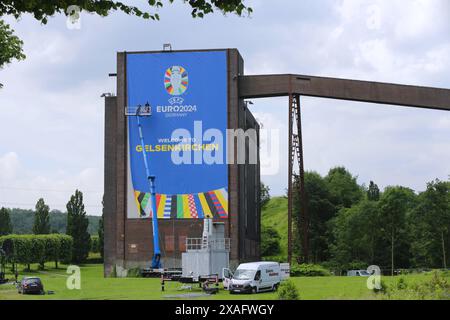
(28, 249)
(309, 270)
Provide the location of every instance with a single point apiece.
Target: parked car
(252, 277)
(358, 273)
(30, 285)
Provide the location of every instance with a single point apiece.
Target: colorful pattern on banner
(211, 204)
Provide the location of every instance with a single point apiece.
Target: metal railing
(209, 244)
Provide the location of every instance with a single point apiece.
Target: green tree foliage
(5, 222)
(356, 233)
(373, 193)
(101, 238)
(343, 187)
(270, 242)
(395, 205)
(10, 45)
(430, 226)
(41, 10)
(265, 195)
(320, 210)
(348, 230)
(41, 218)
(22, 221)
(28, 249)
(77, 226)
(101, 233)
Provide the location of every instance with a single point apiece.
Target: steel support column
(296, 150)
(290, 177)
(303, 222)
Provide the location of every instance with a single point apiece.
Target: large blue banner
(185, 137)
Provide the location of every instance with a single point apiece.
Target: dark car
(31, 285)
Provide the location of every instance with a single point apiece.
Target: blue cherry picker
(156, 268)
(144, 111)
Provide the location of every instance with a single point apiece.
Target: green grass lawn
(95, 286)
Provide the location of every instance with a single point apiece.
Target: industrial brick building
(128, 238)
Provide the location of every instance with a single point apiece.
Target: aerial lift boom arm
(156, 260)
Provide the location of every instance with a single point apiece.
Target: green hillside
(275, 214)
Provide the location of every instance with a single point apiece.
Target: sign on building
(185, 135)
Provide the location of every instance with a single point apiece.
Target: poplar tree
(41, 218)
(5, 222)
(77, 227)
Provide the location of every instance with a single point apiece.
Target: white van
(252, 277)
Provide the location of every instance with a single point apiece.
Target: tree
(373, 193)
(320, 210)
(356, 234)
(438, 198)
(77, 226)
(10, 45)
(265, 195)
(395, 204)
(5, 222)
(343, 187)
(430, 225)
(41, 218)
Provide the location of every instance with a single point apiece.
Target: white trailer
(206, 256)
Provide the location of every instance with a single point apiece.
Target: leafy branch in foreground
(10, 46)
(42, 10)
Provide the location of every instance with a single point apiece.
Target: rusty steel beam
(290, 175)
(303, 224)
(263, 86)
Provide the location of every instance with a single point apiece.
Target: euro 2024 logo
(176, 83)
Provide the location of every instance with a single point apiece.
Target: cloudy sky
(51, 113)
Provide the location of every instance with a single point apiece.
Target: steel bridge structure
(294, 86)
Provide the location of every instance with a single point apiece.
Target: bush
(28, 249)
(279, 259)
(435, 288)
(134, 273)
(401, 284)
(270, 242)
(309, 270)
(288, 291)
